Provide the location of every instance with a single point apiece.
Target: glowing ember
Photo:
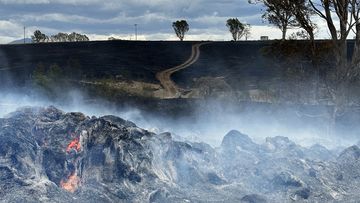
(75, 144)
(71, 184)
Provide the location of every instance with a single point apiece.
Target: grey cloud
(105, 17)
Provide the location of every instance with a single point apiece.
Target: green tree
(181, 27)
(72, 37)
(303, 12)
(39, 37)
(236, 28)
(279, 13)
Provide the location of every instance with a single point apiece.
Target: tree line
(236, 28)
(284, 14)
(181, 27)
(60, 37)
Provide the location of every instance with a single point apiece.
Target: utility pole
(24, 35)
(135, 31)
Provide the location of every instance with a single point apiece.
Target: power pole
(24, 35)
(135, 31)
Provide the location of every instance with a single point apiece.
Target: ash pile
(47, 155)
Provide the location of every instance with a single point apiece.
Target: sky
(100, 19)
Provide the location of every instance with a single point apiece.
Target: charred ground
(250, 76)
(48, 155)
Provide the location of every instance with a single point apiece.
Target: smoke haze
(208, 121)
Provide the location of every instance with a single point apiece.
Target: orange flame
(71, 184)
(75, 144)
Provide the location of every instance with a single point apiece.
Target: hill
(21, 41)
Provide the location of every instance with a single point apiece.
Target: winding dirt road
(170, 88)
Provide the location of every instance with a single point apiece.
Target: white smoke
(209, 123)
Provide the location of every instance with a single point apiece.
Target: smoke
(74, 101)
(213, 119)
(207, 121)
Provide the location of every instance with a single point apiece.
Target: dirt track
(171, 90)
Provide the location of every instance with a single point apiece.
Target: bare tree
(342, 17)
(346, 67)
(181, 27)
(303, 12)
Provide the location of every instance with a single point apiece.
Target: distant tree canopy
(303, 12)
(181, 27)
(237, 29)
(39, 37)
(60, 37)
(73, 37)
(287, 14)
(279, 13)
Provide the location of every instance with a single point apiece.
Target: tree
(303, 11)
(39, 37)
(76, 37)
(80, 37)
(236, 28)
(60, 37)
(279, 13)
(73, 37)
(302, 35)
(181, 27)
(247, 32)
(342, 17)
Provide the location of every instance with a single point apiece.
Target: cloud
(106, 17)
(154, 18)
(72, 2)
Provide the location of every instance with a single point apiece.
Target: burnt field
(243, 65)
(127, 59)
(258, 64)
(250, 61)
(235, 61)
(138, 61)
